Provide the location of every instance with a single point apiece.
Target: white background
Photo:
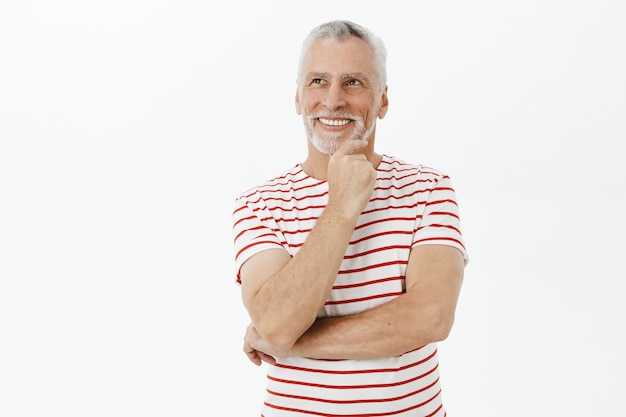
(127, 128)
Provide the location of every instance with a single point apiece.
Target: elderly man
(351, 262)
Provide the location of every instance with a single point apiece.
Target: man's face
(339, 96)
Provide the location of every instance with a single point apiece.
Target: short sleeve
(440, 221)
(252, 232)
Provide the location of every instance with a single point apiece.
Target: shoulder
(281, 182)
(394, 168)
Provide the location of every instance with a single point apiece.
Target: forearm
(287, 303)
(387, 330)
(284, 297)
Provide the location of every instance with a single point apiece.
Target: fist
(351, 178)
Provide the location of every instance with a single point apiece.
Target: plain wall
(128, 127)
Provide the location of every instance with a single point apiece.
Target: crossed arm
(424, 314)
(283, 295)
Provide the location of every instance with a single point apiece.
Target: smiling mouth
(334, 122)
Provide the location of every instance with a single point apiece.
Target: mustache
(333, 114)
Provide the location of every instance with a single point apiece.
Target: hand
(258, 350)
(351, 178)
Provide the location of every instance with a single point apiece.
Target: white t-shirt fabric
(411, 205)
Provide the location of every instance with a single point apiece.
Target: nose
(335, 97)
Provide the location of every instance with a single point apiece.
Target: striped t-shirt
(411, 205)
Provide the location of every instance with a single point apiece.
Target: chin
(326, 146)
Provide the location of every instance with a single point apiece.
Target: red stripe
(389, 413)
(249, 230)
(443, 213)
(358, 300)
(375, 235)
(267, 199)
(385, 220)
(381, 249)
(242, 220)
(346, 387)
(398, 197)
(440, 225)
(432, 203)
(320, 206)
(451, 239)
(375, 400)
(391, 207)
(362, 371)
(372, 266)
(256, 243)
(364, 284)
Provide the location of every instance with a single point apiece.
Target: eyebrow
(344, 76)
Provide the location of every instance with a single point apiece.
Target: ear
(384, 104)
(298, 104)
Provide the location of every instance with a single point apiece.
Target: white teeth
(331, 122)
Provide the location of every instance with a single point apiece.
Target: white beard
(328, 143)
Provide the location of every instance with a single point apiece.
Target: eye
(353, 82)
(317, 81)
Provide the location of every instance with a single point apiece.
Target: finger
(266, 358)
(254, 358)
(351, 146)
(252, 354)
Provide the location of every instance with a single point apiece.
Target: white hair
(342, 29)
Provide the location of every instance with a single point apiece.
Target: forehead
(350, 55)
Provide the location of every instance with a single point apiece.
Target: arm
(283, 295)
(424, 314)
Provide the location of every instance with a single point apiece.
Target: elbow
(278, 329)
(441, 326)
(281, 336)
(279, 340)
(434, 327)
